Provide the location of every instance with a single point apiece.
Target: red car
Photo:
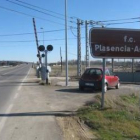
(92, 78)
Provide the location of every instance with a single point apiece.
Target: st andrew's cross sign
(115, 43)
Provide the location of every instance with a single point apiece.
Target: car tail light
(99, 78)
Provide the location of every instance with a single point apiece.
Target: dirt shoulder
(74, 129)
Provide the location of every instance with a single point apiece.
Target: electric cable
(36, 10)
(72, 32)
(39, 7)
(46, 10)
(30, 15)
(121, 23)
(32, 33)
(72, 53)
(134, 18)
(42, 8)
(34, 40)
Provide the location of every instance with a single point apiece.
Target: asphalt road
(26, 115)
(10, 80)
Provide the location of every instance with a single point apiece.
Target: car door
(114, 78)
(109, 78)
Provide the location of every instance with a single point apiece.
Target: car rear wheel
(105, 87)
(81, 88)
(118, 85)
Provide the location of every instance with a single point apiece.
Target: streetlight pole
(43, 34)
(66, 42)
(43, 39)
(87, 42)
(61, 59)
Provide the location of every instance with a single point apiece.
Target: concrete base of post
(48, 81)
(47, 78)
(42, 82)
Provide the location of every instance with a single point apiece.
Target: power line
(94, 23)
(33, 46)
(72, 32)
(21, 13)
(45, 9)
(34, 40)
(72, 53)
(120, 19)
(17, 41)
(121, 23)
(29, 15)
(36, 10)
(39, 7)
(58, 39)
(32, 33)
(61, 14)
(18, 34)
(115, 23)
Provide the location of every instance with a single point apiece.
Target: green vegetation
(119, 120)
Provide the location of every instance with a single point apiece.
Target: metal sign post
(103, 83)
(46, 64)
(61, 59)
(48, 49)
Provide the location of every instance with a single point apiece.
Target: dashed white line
(20, 86)
(16, 95)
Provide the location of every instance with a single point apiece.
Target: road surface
(23, 107)
(10, 80)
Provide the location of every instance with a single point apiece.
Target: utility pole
(133, 69)
(66, 63)
(46, 64)
(103, 83)
(61, 58)
(87, 44)
(132, 65)
(79, 23)
(43, 41)
(43, 34)
(112, 64)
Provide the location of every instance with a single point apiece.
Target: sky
(17, 39)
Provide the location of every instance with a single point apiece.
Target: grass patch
(132, 98)
(119, 120)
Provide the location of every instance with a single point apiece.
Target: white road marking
(3, 120)
(20, 86)
(16, 95)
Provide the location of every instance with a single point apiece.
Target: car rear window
(93, 72)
